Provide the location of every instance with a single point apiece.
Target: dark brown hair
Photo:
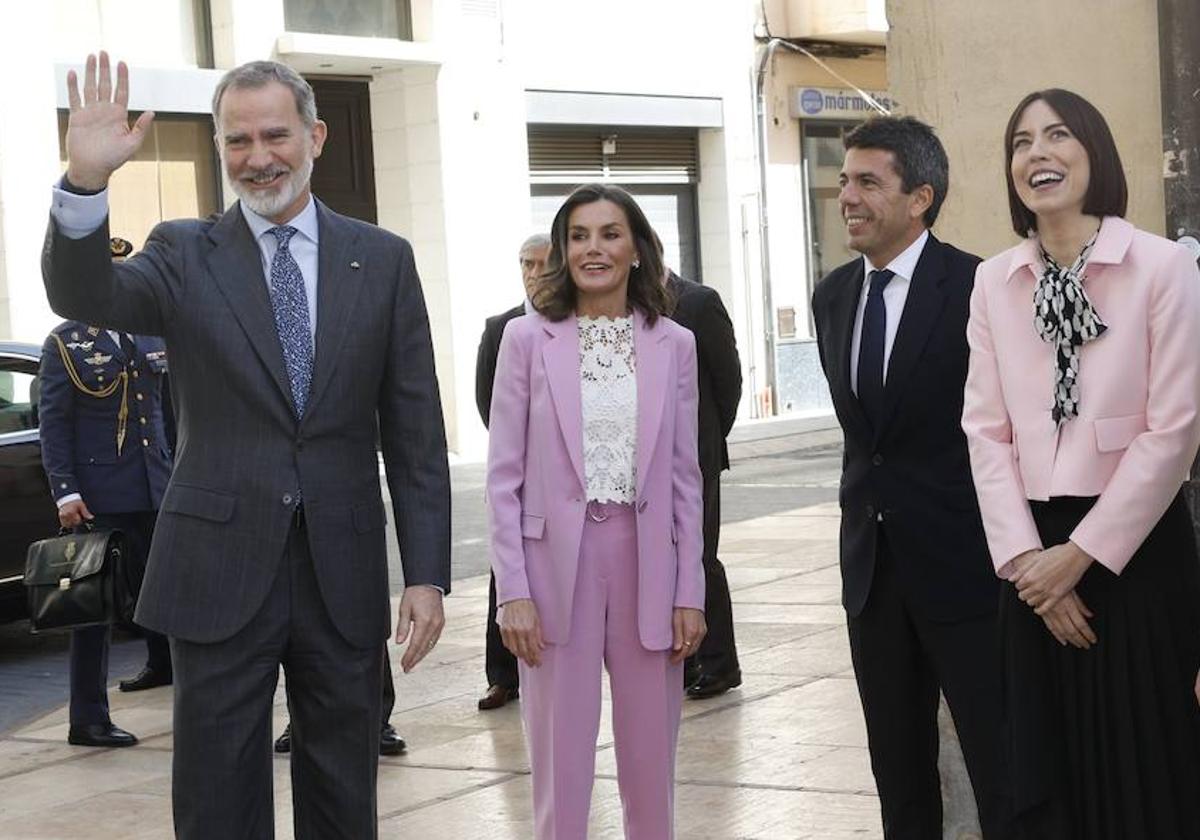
(555, 295)
(1107, 193)
(917, 155)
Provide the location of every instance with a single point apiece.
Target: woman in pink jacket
(1082, 412)
(594, 497)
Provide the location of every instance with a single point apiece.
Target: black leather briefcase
(77, 579)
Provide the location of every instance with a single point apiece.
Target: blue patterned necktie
(290, 303)
(870, 348)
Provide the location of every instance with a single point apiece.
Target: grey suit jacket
(242, 456)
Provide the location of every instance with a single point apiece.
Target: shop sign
(816, 103)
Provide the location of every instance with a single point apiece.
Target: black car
(27, 511)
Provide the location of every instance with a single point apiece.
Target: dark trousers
(718, 651)
(222, 779)
(389, 689)
(498, 662)
(89, 646)
(901, 659)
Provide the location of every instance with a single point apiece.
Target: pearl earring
(637, 264)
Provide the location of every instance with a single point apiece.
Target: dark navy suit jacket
(80, 430)
(910, 479)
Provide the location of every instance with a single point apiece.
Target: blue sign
(812, 101)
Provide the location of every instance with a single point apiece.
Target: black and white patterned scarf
(1064, 317)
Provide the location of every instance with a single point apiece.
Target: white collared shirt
(894, 296)
(79, 215)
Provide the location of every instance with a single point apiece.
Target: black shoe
(100, 735)
(390, 742)
(712, 685)
(147, 678)
(283, 744)
(497, 696)
(691, 675)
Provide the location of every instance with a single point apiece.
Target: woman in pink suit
(594, 496)
(1082, 412)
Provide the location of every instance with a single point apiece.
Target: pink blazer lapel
(560, 357)
(652, 359)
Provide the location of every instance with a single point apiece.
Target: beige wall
(963, 66)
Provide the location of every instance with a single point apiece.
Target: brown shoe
(497, 696)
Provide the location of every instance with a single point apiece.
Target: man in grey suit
(292, 331)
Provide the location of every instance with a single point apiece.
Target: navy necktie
(290, 303)
(870, 348)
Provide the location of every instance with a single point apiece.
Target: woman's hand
(1067, 621)
(1052, 575)
(1020, 564)
(521, 630)
(688, 628)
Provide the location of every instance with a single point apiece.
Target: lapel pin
(354, 264)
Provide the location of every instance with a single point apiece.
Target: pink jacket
(536, 491)
(1139, 421)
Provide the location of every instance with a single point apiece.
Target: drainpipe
(760, 84)
(1179, 74)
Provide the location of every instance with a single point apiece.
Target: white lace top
(609, 387)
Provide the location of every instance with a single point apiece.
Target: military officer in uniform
(106, 453)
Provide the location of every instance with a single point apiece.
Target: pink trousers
(560, 699)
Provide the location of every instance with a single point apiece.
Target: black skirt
(1105, 742)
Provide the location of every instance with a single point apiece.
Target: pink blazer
(536, 491)
(1137, 430)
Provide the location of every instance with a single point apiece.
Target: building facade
(461, 124)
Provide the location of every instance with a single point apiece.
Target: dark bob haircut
(1107, 192)
(918, 154)
(555, 295)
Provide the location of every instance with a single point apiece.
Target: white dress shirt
(894, 296)
(79, 215)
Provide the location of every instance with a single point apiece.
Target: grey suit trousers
(222, 785)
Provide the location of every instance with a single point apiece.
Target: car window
(18, 399)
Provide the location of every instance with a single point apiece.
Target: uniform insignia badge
(85, 345)
(97, 358)
(354, 264)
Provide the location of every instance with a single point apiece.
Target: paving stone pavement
(782, 758)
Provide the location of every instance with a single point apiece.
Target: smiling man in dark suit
(291, 330)
(917, 582)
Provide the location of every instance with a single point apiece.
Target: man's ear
(319, 132)
(922, 200)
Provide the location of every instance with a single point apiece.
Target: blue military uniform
(104, 436)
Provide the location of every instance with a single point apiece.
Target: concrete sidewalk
(783, 757)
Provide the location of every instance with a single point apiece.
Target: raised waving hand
(99, 136)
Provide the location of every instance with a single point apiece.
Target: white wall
(158, 33)
(28, 167)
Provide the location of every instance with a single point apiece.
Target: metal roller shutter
(558, 156)
(659, 167)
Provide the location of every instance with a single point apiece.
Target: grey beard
(273, 203)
